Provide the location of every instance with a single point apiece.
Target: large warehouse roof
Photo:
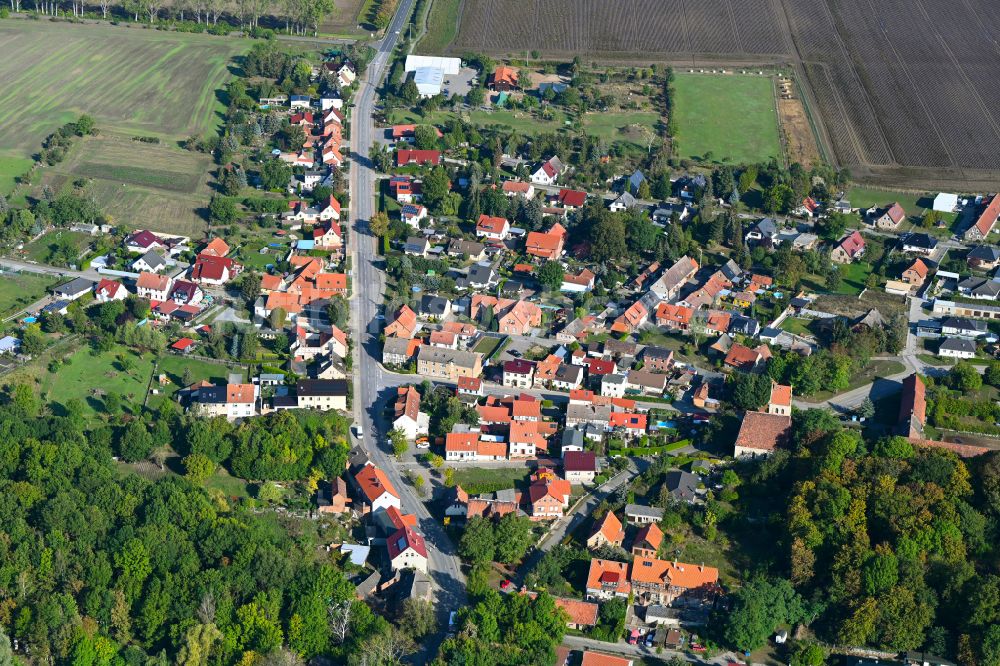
(448, 66)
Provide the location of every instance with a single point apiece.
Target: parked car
(506, 584)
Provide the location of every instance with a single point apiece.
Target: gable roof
(762, 431)
(574, 198)
(580, 461)
(374, 483)
(650, 536)
(913, 404)
(610, 527)
(403, 540)
(153, 281)
(676, 574)
(608, 572)
(490, 224)
(989, 217)
(216, 247)
(918, 267)
(852, 244)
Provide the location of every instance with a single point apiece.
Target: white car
(423, 445)
(359, 430)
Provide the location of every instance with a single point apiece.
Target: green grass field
(10, 168)
(151, 82)
(913, 204)
(85, 375)
(633, 127)
(729, 118)
(442, 26)
(42, 248)
(20, 289)
(491, 479)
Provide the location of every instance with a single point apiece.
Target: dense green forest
(885, 543)
(101, 566)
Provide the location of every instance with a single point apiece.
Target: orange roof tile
(608, 572)
(374, 483)
(677, 574)
(610, 528)
(763, 432)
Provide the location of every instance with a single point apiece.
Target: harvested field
(623, 27)
(904, 90)
(800, 142)
(140, 81)
(160, 187)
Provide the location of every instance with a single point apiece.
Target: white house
(151, 261)
(957, 348)
(375, 490)
(152, 286)
(407, 550)
(110, 290)
(409, 419)
(548, 172)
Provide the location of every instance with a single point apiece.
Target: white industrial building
(945, 202)
(429, 72)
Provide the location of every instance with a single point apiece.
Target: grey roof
(987, 253)
(416, 244)
(569, 373)
(626, 199)
(769, 333)
(9, 343)
(395, 346)
(368, 585)
(75, 286)
(744, 325)
(612, 346)
(357, 553)
(433, 305)
(333, 387)
(654, 352)
(481, 274)
(635, 180)
(613, 379)
(965, 324)
(459, 357)
(682, 485)
(153, 259)
(959, 345)
(462, 246)
(731, 270)
(767, 227)
(572, 437)
(921, 240)
(643, 510)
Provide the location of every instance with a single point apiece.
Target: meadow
(148, 82)
(20, 289)
(10, 168)
(725, 118)
(160, 187)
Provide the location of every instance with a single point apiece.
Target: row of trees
(298, 15)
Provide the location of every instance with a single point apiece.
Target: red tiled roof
(489, 224)
(574, 198)
(628, 420)
(762, 431)
(781, 394)
(913, 404)
(408, 156)
(580, 461)
(374, 483)
(610, 527)
(182, 344)
(404, 539)
(239, 394)
(515, 186)
(853, 243)
(676, 574)
(989, 217)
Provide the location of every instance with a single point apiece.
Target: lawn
(874, 370)
(796, 325)
(20, 289)
(486, 346)
(853, 277)
(632, 127)
(518, 121)
(86, 376)
(861, 197)
(149, 82)
(486, 480)
(10, 168)
(42, 248)
(725, 118)
(174, 366)
(442, 26)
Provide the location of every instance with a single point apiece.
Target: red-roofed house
(913, 407)
(608, 579)
(548, 496)
(891, 218)
(152, 286)
(984, 224)
(579, 467)
(109, 290)
(469, 446)
(761, 433)
(216, 248)
(631, 319)
(407, 550)
(743, 358)
(422, 157)
(916, 274)
(212, 269)
(572, 198)
(849, 249)
(674, 317)
(503, 78)
(514, 188)
(548, 245)
(493, 228)
(607, 531)
(548, 172)
(631, 425)
(375, 490)
(403, 325)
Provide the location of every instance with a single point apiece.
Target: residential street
(443, 563)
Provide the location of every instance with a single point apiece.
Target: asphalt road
(369, 381)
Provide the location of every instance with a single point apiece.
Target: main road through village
(369, 285)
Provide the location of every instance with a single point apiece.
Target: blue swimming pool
(665, 424)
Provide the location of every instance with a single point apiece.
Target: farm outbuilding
(448, 66)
